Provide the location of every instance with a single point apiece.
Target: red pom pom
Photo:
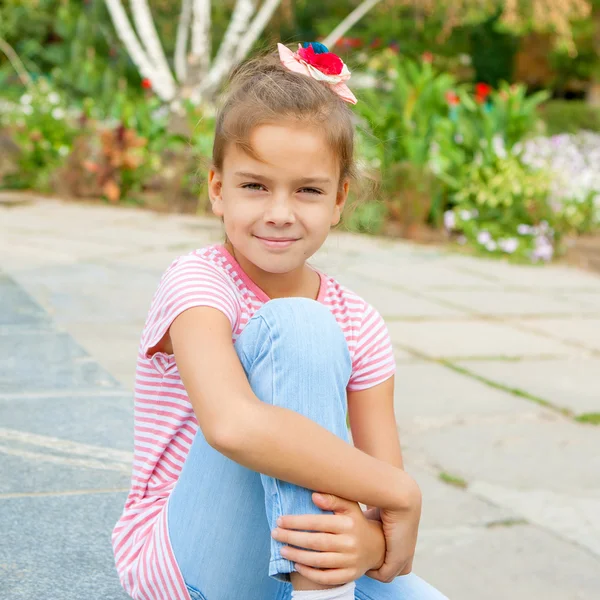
(327, 62)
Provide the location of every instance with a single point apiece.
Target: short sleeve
(187, 283)
(373, 360)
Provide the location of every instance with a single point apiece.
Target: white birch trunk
(181, 42)
(201, 35)
(263, 16)
(356, 15)
(162, 84)
(243, 11)
(147, 34)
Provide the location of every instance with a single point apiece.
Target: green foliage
(492, 51)
(44, 129)
(562, 116)
(367, 217)
(72, 42)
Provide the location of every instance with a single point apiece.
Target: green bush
(44, 128)
(568, 116)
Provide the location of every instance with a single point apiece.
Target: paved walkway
(498, 366)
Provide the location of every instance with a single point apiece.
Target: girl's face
(278, 210)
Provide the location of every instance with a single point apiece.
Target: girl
(248, 361)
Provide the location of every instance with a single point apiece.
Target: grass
(506, 523)
(589, 418)
(515, 391)
(454, 480)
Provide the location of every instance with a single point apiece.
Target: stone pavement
(499, 376)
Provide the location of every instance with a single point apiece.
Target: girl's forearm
(286, 445)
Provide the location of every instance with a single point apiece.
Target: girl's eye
(253, 186)
(311, 191)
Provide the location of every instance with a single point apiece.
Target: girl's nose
(280, 211)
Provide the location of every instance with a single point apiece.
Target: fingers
(329, 577)
(326, 523)
(321, 560)
(324, 542)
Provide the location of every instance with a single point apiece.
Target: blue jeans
(220, 513)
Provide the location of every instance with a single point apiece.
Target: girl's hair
(262, 91)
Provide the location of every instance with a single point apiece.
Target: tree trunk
(358, 13)
(162, 83)
(181, 42)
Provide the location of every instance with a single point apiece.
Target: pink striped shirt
(165, 423)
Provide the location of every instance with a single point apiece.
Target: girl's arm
(373, 423)
(271, 439)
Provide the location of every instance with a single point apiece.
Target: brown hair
(263, 91)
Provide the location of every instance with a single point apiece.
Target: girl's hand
(400, 530)
(333, 549)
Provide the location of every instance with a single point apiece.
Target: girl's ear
(215, 186)
(340, 201)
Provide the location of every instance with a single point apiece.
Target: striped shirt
(165, 423)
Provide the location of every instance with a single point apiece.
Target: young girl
(247, 364)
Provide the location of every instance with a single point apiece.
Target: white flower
(509, 245)
(498, 146)
(524, 229)
(27, 110)
(63, 150)
(491, 245)
(26, 99)
(53, 98)
(465, 215)
(449, 220)
(58, 113)
(459, 139)
(483, 237)
(464, 59)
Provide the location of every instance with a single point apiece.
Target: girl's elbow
(231, 433)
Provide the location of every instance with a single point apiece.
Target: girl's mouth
(276, 243)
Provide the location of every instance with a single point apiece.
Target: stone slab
(507, 302)
(97, 419)
(18, 308)
(421, 274)
(473, 339)
(446, 506)
(547, 277)
(572, 517)
(520, 562)
(92, 293)
(430, 395)
(59, 547)
(541, 451)
(585, 332)
(570, 382)
(34, 470)
(52, 361)
(393, 302)
(113, 345)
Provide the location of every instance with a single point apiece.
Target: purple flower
(543, 249)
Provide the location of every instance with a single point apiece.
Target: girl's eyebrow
(247, 175)
(303, 180)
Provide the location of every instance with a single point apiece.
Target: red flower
(146, 84)
(427, 57)
(326, 62)
(482, 91)
(452, 98)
